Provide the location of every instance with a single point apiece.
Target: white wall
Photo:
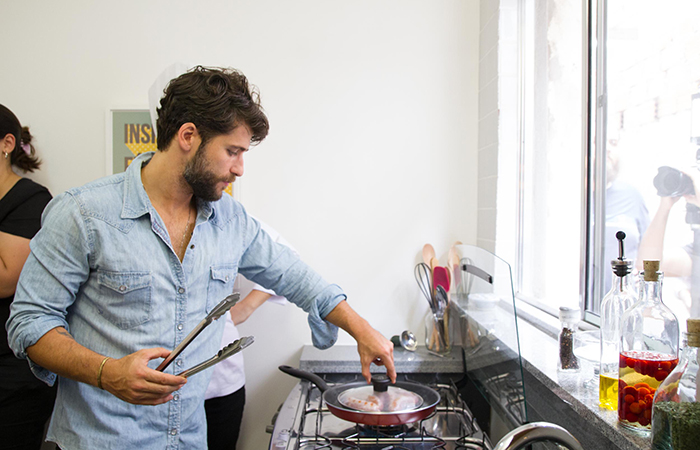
(373, 143)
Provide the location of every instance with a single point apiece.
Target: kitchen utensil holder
(437, 333)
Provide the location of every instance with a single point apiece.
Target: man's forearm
(651, 245)
(58, 352)
(371, 345)
(343, 316)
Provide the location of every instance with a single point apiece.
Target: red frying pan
(430, 398)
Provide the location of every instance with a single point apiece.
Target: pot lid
(367, 399)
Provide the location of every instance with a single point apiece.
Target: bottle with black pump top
(620, 298)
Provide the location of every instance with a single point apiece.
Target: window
(647, 80)
(549, 176)
(609, 95)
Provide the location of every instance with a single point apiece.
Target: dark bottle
(569, 318)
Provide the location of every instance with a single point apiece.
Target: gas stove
(480, 382)
(304, 422)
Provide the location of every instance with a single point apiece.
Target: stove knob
(281, 441)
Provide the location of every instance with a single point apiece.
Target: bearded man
(125, 266)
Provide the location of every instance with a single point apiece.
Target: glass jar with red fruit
(648, 351)
(675, 422)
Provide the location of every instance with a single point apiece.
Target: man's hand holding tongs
(130, 379)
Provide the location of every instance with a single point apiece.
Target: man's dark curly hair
(216, 100)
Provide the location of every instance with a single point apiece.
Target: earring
(6, 154)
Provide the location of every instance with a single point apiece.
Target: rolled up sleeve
(276, 267)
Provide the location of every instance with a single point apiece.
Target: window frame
(590, 243)
(593, 138)
(594, 128)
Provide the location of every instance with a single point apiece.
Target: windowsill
(542, 320)
(546, 322)
(537, 333)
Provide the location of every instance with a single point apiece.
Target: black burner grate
(450, 427)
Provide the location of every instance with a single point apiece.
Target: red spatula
(441, 277)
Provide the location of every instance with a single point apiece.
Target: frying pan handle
(303, 375)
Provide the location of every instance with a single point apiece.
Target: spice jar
(675, 421)
(620, 298)
(568, 318)
(648, 351)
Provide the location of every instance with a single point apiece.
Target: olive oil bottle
(620, 297)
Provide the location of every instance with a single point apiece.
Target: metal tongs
(230, 350)
(217, 312)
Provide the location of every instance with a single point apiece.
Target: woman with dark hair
(25, 402)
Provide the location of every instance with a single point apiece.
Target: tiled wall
(488, 123)
(498, 126)
(508, 129)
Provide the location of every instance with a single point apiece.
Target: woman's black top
(20, 215)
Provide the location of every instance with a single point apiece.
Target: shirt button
(179, 326)
(173, 432)
(226, 278)
(192, 247)
(176, 397)
(181, 290)
(122, 288)
(178, 362)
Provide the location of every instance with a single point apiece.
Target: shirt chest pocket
(126, 297)
(220, 284)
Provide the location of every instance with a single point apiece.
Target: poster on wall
(129, 133)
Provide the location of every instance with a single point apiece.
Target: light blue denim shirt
(104, 268)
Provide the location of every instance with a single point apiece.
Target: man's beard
(201, 179)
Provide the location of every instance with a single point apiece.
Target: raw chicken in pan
(367, 399)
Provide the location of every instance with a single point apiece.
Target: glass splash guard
(483, 319)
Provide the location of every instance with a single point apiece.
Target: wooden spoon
(428, 254)
(433, 264)
(453, 264)
(453, 257)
